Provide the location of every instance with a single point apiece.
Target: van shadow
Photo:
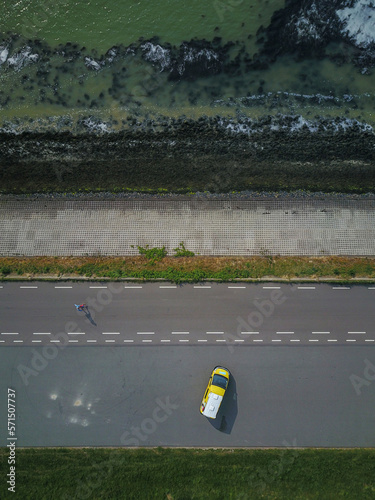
(227, 413)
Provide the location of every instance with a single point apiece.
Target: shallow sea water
(127, 87)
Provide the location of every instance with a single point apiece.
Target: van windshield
(220, 381)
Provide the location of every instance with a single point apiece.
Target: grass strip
(189, 269)
(181, 474)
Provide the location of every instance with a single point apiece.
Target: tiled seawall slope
(208, 227)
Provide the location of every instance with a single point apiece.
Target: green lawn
(184, 474)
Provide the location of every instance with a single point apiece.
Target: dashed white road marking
(165, 340)
(239, 340)
(321, 333)
(202, 340)
(313, 340)
(249, 333)
(109, 340)
(180, 333)
(63, 287)
(56, 341)
(294, 340)
(98, 287)
(128, 340)
(271, 287)
(351, 340)
(32, 341)
(369, 340)
(90, 340)
(17, 340)
(357, 333)
(183, 340)
(371, 288)
(76, 333)
(132, 286)
(197, 286)
(276, 340)
(257, 340)
(285, 333)
(41, 333)
(110, 333)
(220, 340)
(9, 333)
(72, 340)
(306, 287)
(236, 286)
(215, 333)
(28, 287)
(331, 340)
(144, 340)
(145, 333)
(167, 286)
(341, 288)
(36, 341)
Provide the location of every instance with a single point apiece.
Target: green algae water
(80, 82)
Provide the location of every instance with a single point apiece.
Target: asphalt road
(132, 369)
(39, 313)
(150, 396)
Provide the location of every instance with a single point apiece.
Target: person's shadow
(228, 410)
(88, 316)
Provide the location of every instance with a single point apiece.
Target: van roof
(213, 405)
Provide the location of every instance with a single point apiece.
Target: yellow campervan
(217, 385)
